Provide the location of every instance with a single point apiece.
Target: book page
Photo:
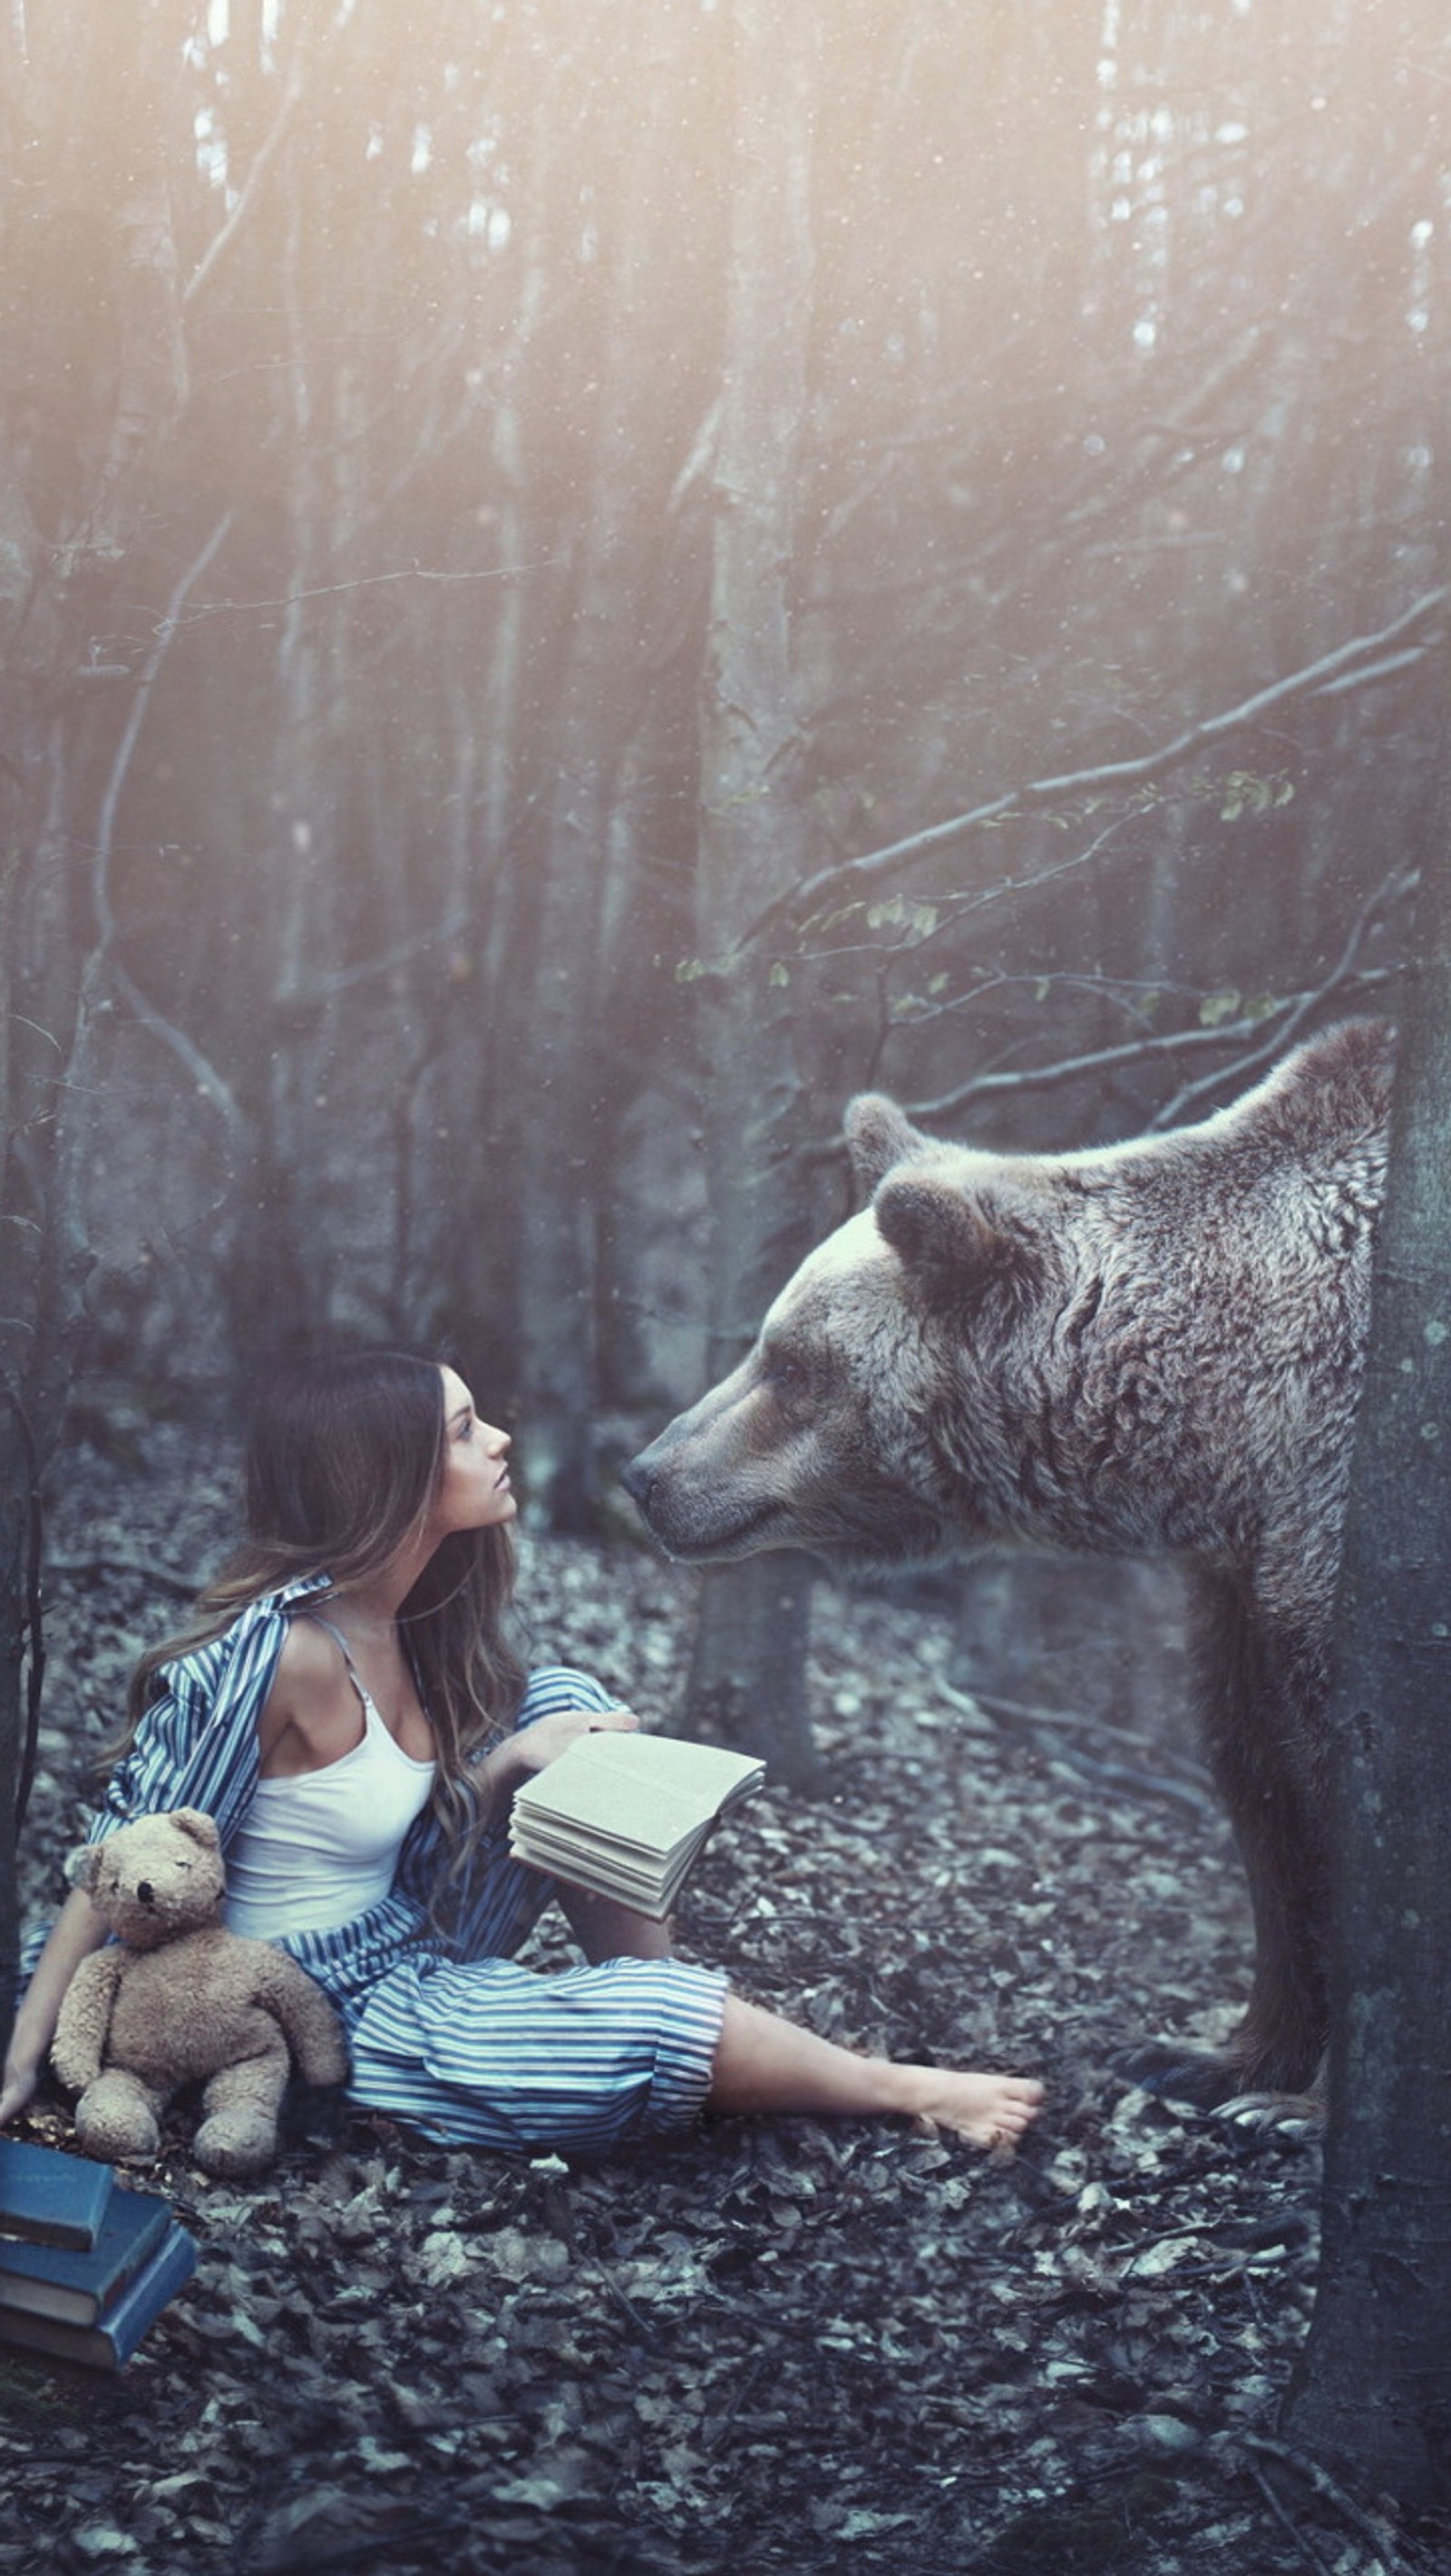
(645, 1791)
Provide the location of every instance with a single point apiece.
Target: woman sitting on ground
(347, 1708)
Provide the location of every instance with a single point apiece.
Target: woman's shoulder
(260, 1630)
(307, 1645)
(311, 1662)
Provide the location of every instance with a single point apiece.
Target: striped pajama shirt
(444, 2030)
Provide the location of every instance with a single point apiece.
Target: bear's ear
(878, 1136)
(957, 1244)
(199, 1828)
(82, 1864)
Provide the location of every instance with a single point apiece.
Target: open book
(626, 1815)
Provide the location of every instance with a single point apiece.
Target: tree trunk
(93, 368)
(747, 1675)
(568, 1076)
(1373, 2394)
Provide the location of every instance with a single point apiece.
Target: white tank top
(314, 1851)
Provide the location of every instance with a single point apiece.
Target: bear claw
(1195, 2077)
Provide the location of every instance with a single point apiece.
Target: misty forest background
(580, 582)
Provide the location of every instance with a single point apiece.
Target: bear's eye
(788, 1377)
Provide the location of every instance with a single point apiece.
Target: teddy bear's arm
(311, 2025)
(85, 2018)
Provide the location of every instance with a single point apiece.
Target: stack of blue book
(85, 2267)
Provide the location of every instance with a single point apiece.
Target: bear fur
(177, 1999)
(1151, 1348)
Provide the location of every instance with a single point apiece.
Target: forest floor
(775, 2345)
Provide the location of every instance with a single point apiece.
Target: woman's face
(474, 1490)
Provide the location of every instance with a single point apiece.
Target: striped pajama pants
(474, 2051)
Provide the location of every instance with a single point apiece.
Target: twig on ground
(401, 2539)
(165, 1578)
(1080, 1720)
(746, 2390)
(1045, 1727)
(1370, 2528)
(1305, 2546)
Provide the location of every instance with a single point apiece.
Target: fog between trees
(487, 511)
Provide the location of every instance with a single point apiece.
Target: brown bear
(1146, 1348)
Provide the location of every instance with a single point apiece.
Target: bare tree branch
(1269, 1032)
(1327, 669)
(263, 159)
(104, 962)
(1173, 1110)
(130, 732)
(34, 1613)
(1109, 1059)
(371, 581)
(326, 988)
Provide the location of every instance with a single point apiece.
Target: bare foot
(989, 2110)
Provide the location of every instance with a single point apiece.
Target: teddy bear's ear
(82, 1864)
(199, 1828)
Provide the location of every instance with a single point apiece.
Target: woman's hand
(537, 1746)
(534, 1747)
(17, 2087)
(78, 1929)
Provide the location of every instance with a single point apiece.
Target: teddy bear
(175, 1998)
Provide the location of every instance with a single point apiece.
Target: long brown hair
(344, 1457)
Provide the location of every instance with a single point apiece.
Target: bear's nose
(637, 1480)
(145, 1892)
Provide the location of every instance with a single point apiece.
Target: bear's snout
(145, 1892)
